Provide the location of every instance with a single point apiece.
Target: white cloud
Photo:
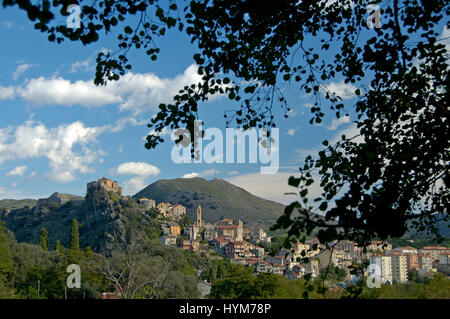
(341, 89)
(14, 193)
(21, 68)
(7, 24)
(85, 65)
(272, 186)
(88, 64)
(146, 91)
(134, 185)
(134, 91)
(59, 91)
(292, 131)
(141, 172)
(69, 148)
(18, 171)
(291, 113)
(206, 173)
(137, 168)
(165, 131)
(124, 122)
(7, 92)
(445, 38)
(335, 123)
(339, 3)
(190, 175)
(351, 131)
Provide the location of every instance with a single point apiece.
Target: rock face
(100, 215)
(102, 210)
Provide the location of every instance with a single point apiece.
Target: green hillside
(14, 204)
(218, 199)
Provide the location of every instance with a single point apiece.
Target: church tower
(199, 216)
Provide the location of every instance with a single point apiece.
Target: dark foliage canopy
(390, 178)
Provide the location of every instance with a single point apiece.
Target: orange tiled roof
(227, 226)
(221, 239)
(239, 243)
(406, 248)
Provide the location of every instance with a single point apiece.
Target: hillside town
(230, 239)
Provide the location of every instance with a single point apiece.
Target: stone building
(199, 216)
(228, 228)
(434, 251)
(147, 203)
(179, 211)
(379, 246)
(170, 211)
(399, 268)
(105, 184)
(163, 207)
(56, 200)
(385, 267)
(312, 268)
(169, 240)
(171, 228)
(193, 232)
(209, 232)
(190, 245)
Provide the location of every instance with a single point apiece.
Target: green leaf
(128, 30)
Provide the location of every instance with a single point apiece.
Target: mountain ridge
(218, 199)
(103, 213)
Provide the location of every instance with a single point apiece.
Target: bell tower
(199, 216)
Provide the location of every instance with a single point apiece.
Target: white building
(147, 203)
(399, 268)
(260, 235)
(385, 264)
(193, 232)
(312, 268)
(425, 263)
(168, 240)
(444, 258)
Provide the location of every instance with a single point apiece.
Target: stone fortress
(105, 184)
(57, 200)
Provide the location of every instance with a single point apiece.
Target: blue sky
(58, 131)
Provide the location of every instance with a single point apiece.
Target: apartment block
(385, 264)
(399, 268)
